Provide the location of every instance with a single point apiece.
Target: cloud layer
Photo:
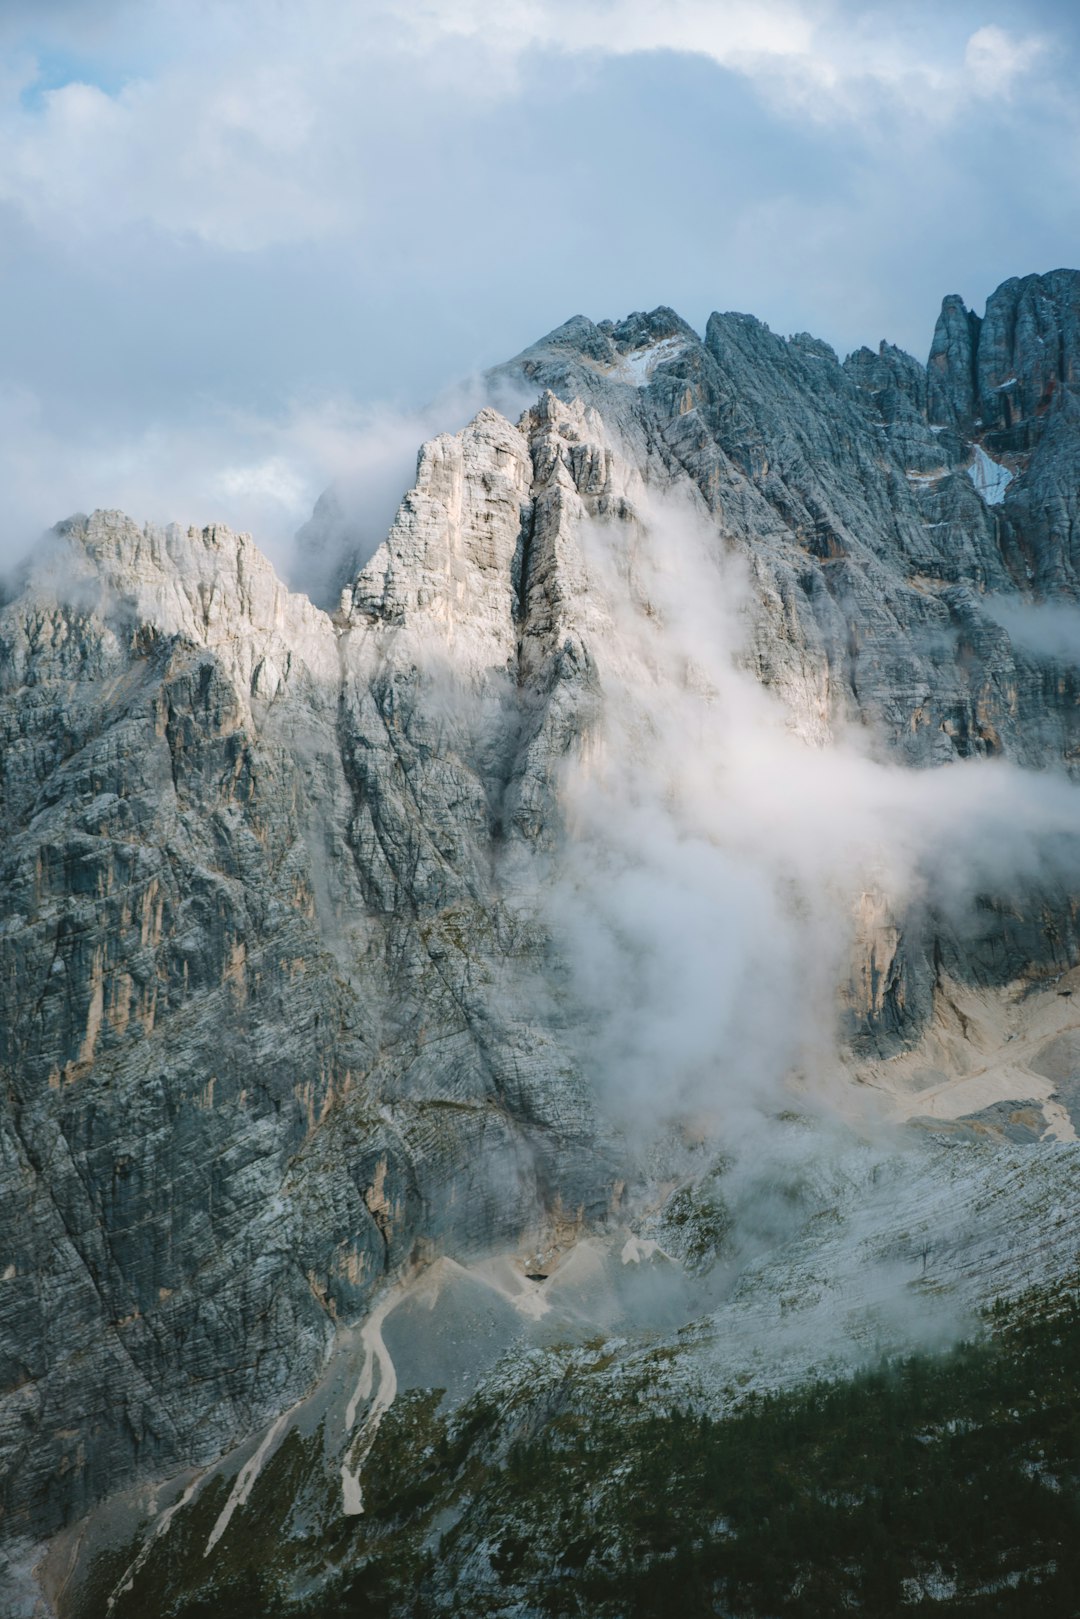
(229, 231)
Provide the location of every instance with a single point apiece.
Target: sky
(245, 244)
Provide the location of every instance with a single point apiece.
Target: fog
(1043, 629)
(716, 862)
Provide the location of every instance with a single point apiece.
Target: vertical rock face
(1006, 373)
(281, 1013)
(269, 1022)
(951, 372)
(850, 494)
(1012, 385)
(174, 1024)
(1028, 354)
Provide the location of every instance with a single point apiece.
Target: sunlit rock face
(286, 1009)
(870, 544)
(269, 1029)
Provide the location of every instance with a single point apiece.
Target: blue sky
(243, 244)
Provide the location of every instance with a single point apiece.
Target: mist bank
(723, 877)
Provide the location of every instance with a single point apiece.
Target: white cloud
(259, 474)
(245, 137)
(275, 480)
(812, 57)
(733, 32)
(448, 179)
(717, 864)
(1041, 629)
(251, 473)
(994, 60)
(232, 161)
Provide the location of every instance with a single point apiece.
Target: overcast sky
(238, 240)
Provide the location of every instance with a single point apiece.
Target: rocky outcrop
(1027, 356)
(1010, 383)
(174, 1022)
(876, 550)
(952, 381)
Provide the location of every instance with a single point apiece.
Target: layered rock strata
(270, 1031)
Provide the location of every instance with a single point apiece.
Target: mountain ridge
(286, 1015)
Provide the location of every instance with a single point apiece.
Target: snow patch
(352, 1496)
(1060, 1126)
(641, 363)
(990, 478)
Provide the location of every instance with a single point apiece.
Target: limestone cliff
(283, 1011)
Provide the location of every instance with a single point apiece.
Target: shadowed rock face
(1004, 374)
(279, 1015)
(1010, 381)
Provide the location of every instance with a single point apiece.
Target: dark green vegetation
(942, 1484)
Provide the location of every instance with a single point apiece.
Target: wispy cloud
(816, 58)
(1048, 630)
(996, 60)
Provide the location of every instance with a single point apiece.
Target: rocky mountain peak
(1003, 374)
(287, 1009)
(639, 330)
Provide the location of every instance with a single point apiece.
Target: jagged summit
(1006, 372)
(993, 376)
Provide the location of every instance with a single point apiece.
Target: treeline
(945, 1484)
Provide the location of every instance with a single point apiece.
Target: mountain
(542, 948)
